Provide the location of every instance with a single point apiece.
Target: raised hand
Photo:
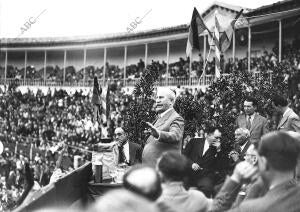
(244, 172)
(153, 130)
(196, 167)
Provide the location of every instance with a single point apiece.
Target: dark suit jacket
(170, 127)
(209, 161)
(289, 122)
(282, 198)
(134, 153)
(259, 126)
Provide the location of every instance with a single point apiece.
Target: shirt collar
(285, 112)
(251, 116)
(164, 113)
(286, 184)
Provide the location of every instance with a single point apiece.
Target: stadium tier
(258, 39)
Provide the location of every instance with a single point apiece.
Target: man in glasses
(129, 152)
(203, 154)
(277, 159)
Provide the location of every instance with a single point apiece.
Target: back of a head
(173, 166)
(280, 149)
(252, 99)
(280, 101)
(143, 180)
(122, 200)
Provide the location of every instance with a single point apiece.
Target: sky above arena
(60, 18)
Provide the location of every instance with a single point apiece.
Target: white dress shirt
(126, 151)
(206, 147)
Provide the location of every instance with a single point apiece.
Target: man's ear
(264, 163)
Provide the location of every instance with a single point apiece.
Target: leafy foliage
(220, 105)
(141, 108)
(223, 101)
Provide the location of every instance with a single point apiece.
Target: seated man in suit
(277, 159)
(290, 121)
(129, 152)
(251, 120)
(241, 145)
(203, 154)
(166, 131)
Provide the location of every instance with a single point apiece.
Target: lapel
(156, 118)
(243, 120)
(199, 146)
(163, 119)
(208, 152)
(254, 122)
(284, 118)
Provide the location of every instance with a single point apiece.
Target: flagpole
(190, 65)
(204, 67)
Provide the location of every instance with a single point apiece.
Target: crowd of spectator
(37, 123)
(34, 125)
(178, 69)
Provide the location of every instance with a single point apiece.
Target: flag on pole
(218, 52)
(106, 103)
(96, 101)
(226, 37)
(197, 26)
(101, 103)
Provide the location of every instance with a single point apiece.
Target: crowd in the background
(177, 69)
(39, 122)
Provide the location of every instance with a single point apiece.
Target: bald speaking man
(166, 132)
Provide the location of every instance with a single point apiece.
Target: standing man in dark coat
(166, 131)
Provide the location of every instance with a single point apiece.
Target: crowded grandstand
(46, 95)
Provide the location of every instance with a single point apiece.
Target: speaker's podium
(76, 189)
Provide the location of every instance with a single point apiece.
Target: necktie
(122, 157)
(248, 122)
